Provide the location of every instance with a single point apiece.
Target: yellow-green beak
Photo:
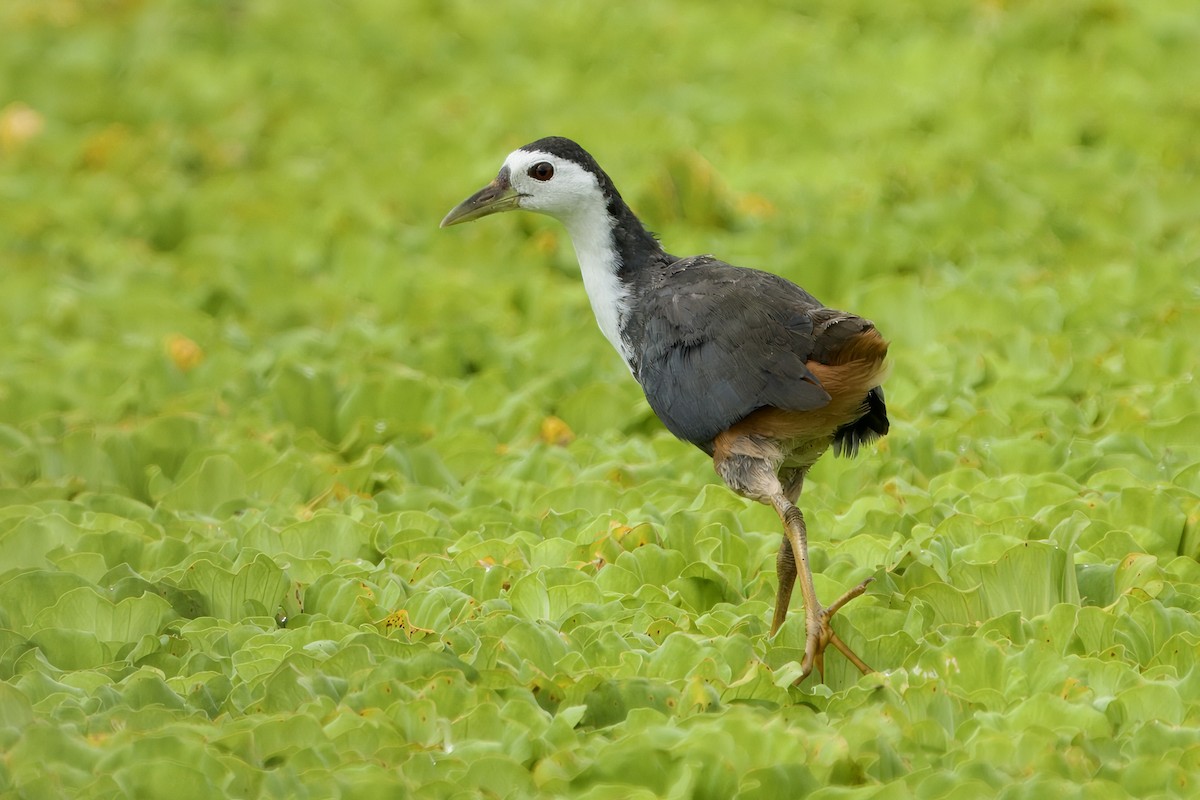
(499, 195)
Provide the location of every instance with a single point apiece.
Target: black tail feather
(864, 430)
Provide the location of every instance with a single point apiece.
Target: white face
(552, 185)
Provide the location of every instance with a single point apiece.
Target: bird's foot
(820, 635)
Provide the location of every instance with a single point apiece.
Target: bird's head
(552, 176)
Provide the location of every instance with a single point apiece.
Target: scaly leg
(792, 483)
(785, 566)
(748, 465)
(819, 633)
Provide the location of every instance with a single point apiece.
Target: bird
(742, 363)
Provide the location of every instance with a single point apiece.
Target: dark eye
(542, 171)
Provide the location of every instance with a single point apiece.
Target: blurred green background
(303, 496)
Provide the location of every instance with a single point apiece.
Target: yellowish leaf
(19, 124)
(184, 353)
(555, 431)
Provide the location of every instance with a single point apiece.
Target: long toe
(820, 635)
(850, 654)
(847, 597)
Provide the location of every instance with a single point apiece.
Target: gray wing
(719, 342)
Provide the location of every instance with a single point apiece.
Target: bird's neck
(612, 246)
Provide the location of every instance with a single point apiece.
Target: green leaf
(72, 649)
(16, 713)
(253, 589)
(126, 621)
(306, 396)
(1031, 578)
(611, 702)
(23, 595)
(214, 484)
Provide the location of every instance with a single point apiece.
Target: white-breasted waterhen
(745, 365)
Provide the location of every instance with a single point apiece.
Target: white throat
(575, 198)
(590, 230)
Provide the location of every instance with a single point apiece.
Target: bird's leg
(749, 465)
(785, 566)
(785, 563)
(818, 632)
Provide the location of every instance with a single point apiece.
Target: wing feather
(735, 340)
